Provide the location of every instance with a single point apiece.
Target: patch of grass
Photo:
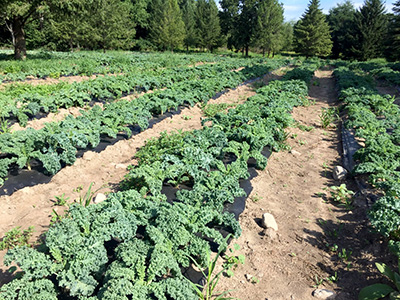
(210, 110)
(15, 237)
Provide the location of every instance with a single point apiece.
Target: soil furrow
(312, 231)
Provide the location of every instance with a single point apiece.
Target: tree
(269, 26)
(395, 32)
(209, 29)
(111, 23)
(188, 8)
(370, 30)
(167, 29)
(71, 26)
(311, 32)
(287, 36)
(15, 15)
(341, 20)
(239, 19)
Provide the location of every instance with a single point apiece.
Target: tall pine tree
(370, 30)
(188, 8)
(395, 32)
(341, 21)
(239, 19)
(311, 32)
(167, 29)
(209, 30)
(269, 26)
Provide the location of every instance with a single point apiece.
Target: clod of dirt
(270, 234)
(99, 198)
(121, 166)
(268, 221)
(89, 155)
(324, 294)
(339, 173)
(295, 153)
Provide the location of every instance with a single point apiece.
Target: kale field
(123, 175)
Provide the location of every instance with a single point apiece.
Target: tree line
(240, 25)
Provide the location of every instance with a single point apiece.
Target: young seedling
(341, 194)
(328, 116)
(333, 278)
(232, 261)
(318, 281)
(61, 200)
(345, 254)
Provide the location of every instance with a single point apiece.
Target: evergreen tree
(188, 8)
(370, 30)
(341, 20)
(239, 19)
(71, 26)
(209, 30)
(111, 24)
(311, 32)
(394, 33)
(287, 36)
(269, 26)
(167, 29)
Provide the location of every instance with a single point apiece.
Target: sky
(295, 8)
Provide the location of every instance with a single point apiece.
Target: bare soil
(291, 264)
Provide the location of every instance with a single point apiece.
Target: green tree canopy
(15, 15)
(209, 29)
(370, 30)
(311, 32)
(395, 32)
(239, 19)
(167, 29)
(188, 8)
(341, 20)
(268, 34)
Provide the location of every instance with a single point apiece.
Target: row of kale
(376, 120)
(58, 142)
(135, 244)
(24, 101)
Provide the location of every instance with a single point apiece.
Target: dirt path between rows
(315, 239)
(32, 206)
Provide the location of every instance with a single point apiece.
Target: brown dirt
(286, 266)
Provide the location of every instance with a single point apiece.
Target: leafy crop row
(136, 244)
(56, 64)
(24, 101)
(375, 119)
(57, 143)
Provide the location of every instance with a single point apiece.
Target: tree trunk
(263, 52)
(71, 45)
(247, 50)
(20, 42)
